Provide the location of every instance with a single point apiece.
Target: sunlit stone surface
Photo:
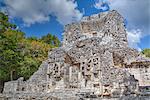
(93, 62)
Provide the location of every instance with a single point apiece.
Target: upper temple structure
(94, 61)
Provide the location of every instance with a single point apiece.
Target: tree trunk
(1, 86)
(11, 75)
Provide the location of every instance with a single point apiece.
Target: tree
(4, 23)
(51, 39)
(28, 67)
(10, 54)
(21, 56)
(56, 41)
(47, 39)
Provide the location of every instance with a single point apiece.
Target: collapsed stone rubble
(94, 61)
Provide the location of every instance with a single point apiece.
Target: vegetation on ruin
(146, 52)
(20, 56)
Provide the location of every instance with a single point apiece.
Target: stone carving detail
(94, 58)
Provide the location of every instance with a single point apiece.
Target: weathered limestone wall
(141, 72)
(107, 26)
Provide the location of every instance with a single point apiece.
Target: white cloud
(100, 4)
(134, 38)
(137, 12)
(38, 11)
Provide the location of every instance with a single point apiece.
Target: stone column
(70, 73)
(79, 79)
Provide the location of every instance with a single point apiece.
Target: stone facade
(93, 62)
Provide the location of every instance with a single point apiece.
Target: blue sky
(49, 16)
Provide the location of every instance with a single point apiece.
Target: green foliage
(9, 56)
(28, 66)
(21, 56)
(51, 39)
(32, 38)
(146, 52)
(4, 23)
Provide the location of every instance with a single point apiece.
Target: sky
(39, 17)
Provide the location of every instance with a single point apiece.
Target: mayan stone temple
(93, 63)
